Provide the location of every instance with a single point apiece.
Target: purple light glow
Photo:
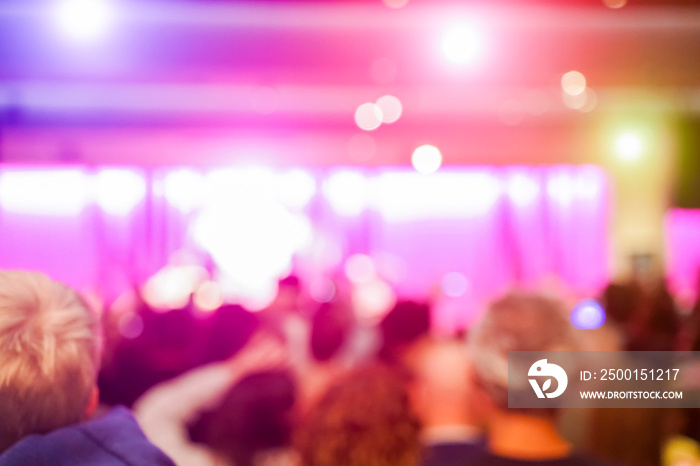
(588, 315)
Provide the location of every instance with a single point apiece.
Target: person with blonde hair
(50, 346)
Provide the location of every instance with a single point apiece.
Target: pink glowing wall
(683, 252)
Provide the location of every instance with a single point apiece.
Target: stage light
(83, 20)
(454, 284)
(57, 192)
(368, 116)
(347, 192)
(359, 268)
(119, 191)
(184, 189)
(409, 196)
(390, 107)
(461, 44)
(561, 189)
(629, 146)
(589, 183)
(573, 83)
(522, 189)
(426, 159)
(588, 315)
(295, 188)
(250, 234)
(171, 287)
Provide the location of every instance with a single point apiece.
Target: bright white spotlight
(50, 192)
(119, 191)
(426, 159)
(523, 190)
(348, 192)
(184, 189)
(368, 116)
(82, 20)
(295, 188)
(171, 287)
(249, 233)
(461, 44)
(560, 188)
(629, 146)
(391, 108)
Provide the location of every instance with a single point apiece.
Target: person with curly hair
(363, 419)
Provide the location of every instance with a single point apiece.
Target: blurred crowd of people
(295, 384)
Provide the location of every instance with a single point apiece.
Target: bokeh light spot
(368, 116)
(390, 107)
(588, 314)
(573, 83)
(426, 159)
(629, 146)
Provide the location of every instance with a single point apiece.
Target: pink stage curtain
(496, 227)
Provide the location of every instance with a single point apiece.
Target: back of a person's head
(517, 322)
(254, 416)
(330, 327)
(49, 355)
(437, 373)
(621, 301)
(363, 419)
(404, 325)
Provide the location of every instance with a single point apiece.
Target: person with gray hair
(50, 349)
(519, 437)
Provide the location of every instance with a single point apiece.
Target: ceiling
(278, 82)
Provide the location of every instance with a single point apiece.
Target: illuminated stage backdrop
(463, 234)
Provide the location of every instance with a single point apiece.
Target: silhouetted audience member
(628, 436)
(227, 332)
(161, 351)
(166, 411)
(403, 326)
(286, 318)
(440, 395)
(364, 419)
(519, 437)
(50, 347)
(331, 328)
(252, 422)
